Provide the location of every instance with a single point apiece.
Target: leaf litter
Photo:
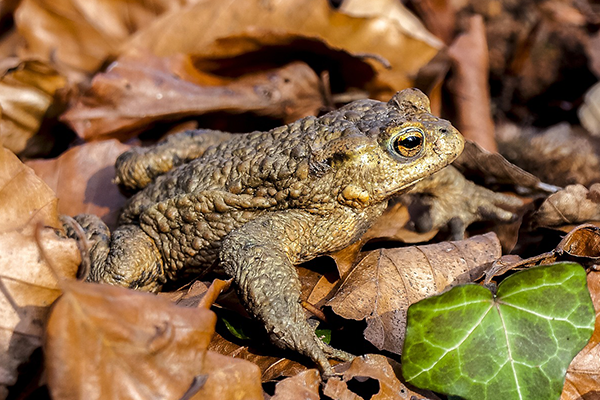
(161, 47)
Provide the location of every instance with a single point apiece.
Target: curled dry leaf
(583, 375)
(560, 155)
(28, 285)
(469, 86)
(106, 342)
(570, 206)
(581, 242)
(386, 282)
(138, 91)
(79, 35)
(82, 179)
(27, 90)
(304, 385)
(495, 169)
(371, 366)
(195, 30)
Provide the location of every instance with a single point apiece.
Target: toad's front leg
(258, 256)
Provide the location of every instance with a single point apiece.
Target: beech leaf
(82, 178)
(137, 91)
(27, 90)
(198, 28)
(386, 282)
(516, 344)
(107, 342)
(27, 285)
(583, 375)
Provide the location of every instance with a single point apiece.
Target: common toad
(260, 203)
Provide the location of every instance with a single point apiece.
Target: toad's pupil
(411, 142)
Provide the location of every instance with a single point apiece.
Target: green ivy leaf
(515, 345)
(324, 334)
(235, 329)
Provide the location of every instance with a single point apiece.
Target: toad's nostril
(444, 131)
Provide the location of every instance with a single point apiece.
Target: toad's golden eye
(408, 143)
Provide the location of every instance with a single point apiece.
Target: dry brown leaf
(27, 284)
(138, 91)
(106, 342)
(439, 16)
(10, 43)
(79, 35)
(27, 90)
(270, 367)
(583, 375)
(196, 28)
(469, 85)
(494, 168)
(82, 179)
(372, 366)
(572, 205)
(386, 282)
(391, 226)
(589, 111)
(7, 7)
(229, 378)
(406, 21)
(304, 385)
(581, 242)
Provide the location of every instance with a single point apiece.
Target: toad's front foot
(452, 200)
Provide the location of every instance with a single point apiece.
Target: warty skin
(259, 203)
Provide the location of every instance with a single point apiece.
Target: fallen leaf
(386, 282)
(304, 385)
(136, 92)
(106, 342)
(560, 155)
(391, 226)
(583, 375)
(79, 35)
(493, 168)
(531, 81)
(7, 7)
(271, 367)
(536, 323)
(572, 205)
(82, 179)
(196, 28)
(369, 366)
(581, 242)
(469, 85)
(27, 90)
(229, 378)
(406, 21)
(589, 111)
(439, 17)
(28, 285)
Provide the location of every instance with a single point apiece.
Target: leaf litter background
(82, 80)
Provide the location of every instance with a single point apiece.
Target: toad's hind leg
(127, 258)
(268, 285)
(138, 167)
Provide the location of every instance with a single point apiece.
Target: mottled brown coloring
(262, 202)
